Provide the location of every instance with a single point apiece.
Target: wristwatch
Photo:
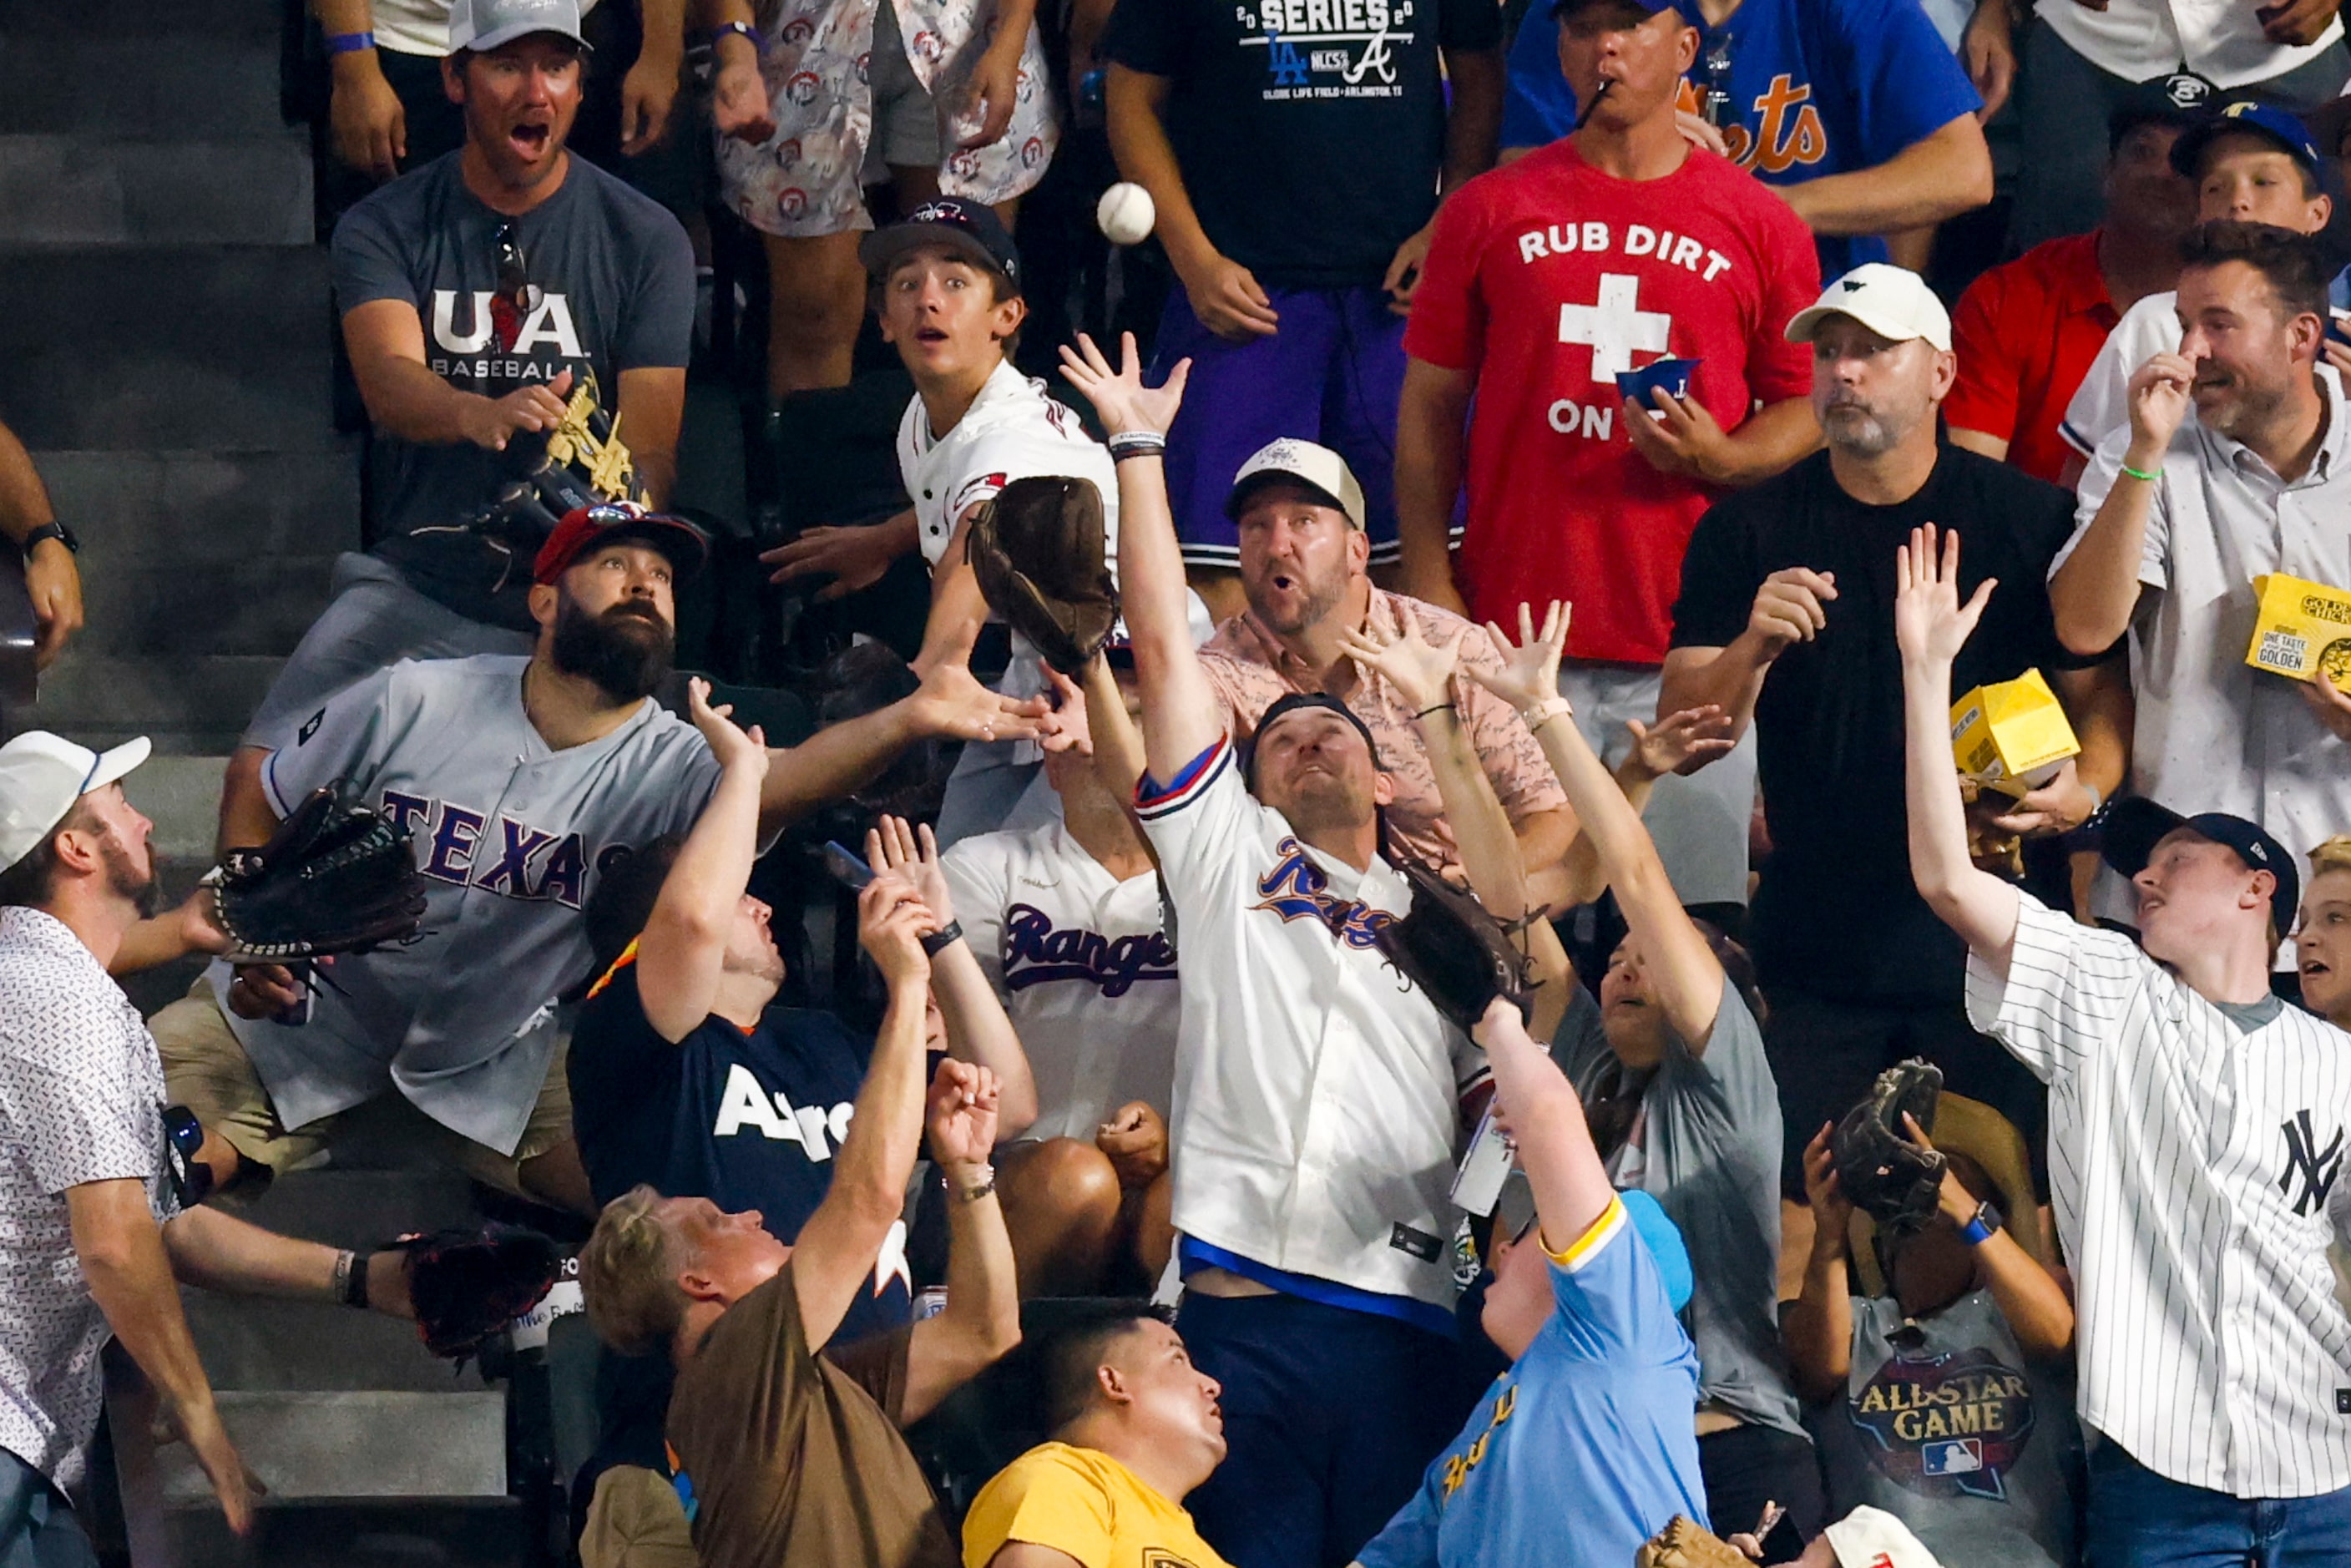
(1981, 1225)
(52, 530)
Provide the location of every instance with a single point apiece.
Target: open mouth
(1282, 580)
(530, 141)
(2314, 967)
(930, 335)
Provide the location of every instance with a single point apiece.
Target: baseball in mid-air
(1125, 214)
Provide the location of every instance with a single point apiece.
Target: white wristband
(1543, 713)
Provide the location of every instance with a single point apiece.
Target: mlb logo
(1954, 1456)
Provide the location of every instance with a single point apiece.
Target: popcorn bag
(2302, 629)
(2010, 736)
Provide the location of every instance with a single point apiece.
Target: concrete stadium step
(148, 347)
(379, 1444)
(203, 85)
(245, 506)
(374, 1190)
(150, 602)
(485, 1532)
(185, 705)
(313, 1347)
(79, 189)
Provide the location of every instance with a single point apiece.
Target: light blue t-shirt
(1584, 1447)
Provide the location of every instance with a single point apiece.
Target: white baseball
(1125, 214)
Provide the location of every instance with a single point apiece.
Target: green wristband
(2141, 475)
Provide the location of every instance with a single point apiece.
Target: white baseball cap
(1873, 1538)
(1892, 301)
(1318, 468)
(482, 26)
(41, 777)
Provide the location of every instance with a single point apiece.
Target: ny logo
(2316, 1167)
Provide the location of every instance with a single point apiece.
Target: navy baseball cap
(970, 229)
(1562, 8)
(2245, 117)
(2182, 99)
(2134, 827)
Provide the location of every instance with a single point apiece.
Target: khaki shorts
(207, 1070)
(635, 1521)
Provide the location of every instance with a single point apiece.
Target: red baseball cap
(589, 528)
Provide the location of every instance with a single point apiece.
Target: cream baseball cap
(1892, 301)
(1873, 1538)
(1318, 468)
(41, 777)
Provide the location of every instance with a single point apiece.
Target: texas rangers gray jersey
(510, 835)
(1317, 1089)
(2196, 1170)
(1085, 971)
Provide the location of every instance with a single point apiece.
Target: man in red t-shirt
(2026, 332)
(1617, 246)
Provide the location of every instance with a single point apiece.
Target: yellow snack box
(2303, 630)
(2010, 736)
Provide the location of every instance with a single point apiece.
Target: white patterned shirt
(81, 1099)
(2196, 1170)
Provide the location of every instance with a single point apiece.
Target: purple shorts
(1332, 374)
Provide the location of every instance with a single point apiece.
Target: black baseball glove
(336, 877)
(1886, 1175)
(1459, 955)
(468, 1285)
(1038, 550)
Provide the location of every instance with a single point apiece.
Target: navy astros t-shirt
(748, 1118)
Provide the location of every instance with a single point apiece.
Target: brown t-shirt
(795, 1458)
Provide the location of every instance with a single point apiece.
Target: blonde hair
(2334, 854)
(628, 1275)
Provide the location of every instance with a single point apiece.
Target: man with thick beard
(517, 777)
(1785, 622)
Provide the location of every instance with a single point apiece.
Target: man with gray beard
(1786, 621)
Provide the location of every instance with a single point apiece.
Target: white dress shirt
(2196, 1171)
(2219, 40)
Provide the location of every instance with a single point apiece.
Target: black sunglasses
(514, 268)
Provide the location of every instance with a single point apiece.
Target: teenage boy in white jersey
(1318, 1093)
(2196, 1136)
(947, 285)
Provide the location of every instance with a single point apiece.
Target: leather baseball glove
(1681, 1545)
(1039, 552)
(1886, 1175)
(336, 877)
(467, 1285)
(1459, 955)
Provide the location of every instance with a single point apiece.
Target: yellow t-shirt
(1084, 1503)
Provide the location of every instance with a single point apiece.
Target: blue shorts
(1330, 1417)
(1332, 374)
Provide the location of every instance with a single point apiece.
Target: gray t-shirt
(1705, 1146)
(1944, 1427)
(511, 836)
(612, 281)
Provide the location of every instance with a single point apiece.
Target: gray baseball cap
(482, 26)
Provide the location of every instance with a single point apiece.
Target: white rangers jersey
(1085, 972)
(2196, 1170)
(1317, 1090)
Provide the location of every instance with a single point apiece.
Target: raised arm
(1181, 717)
(1687, 977)
(2094, 593)
(978, 1031)
(1931, 626)
(1546, 1118)
(1791, 607)
(981, 1321)
(684, 946)
(1816, 1328)
(837, 1246)
(2029, 1295)
(836, 761)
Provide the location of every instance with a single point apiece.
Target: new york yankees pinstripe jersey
(2196, 1171)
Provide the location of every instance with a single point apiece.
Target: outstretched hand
(1120, 398)
(1930, 624)
(894, 846)
(1421, 671)
(733, 746)
(961, 1114)
(952, 705)
(1529, 673)
(1681, 742)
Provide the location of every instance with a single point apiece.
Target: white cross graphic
(1615, 327)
